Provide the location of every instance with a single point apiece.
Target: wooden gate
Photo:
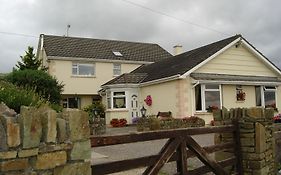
(175, 149)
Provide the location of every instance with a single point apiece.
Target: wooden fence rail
(179, 147)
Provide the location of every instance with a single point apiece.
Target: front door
(134, 106)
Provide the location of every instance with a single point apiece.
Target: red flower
(148, 100)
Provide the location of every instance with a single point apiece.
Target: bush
(98, 106)
(14, 97)
(41, 82)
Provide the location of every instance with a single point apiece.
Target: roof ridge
(114, 40)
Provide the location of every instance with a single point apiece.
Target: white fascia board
(161, 80)
(260, 56)
(237, 82)
(120, 86)
(96, 60)
(210, 58)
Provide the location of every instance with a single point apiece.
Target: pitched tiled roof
(179, 64)
(184, 62)
(127, 78)
(61, 46)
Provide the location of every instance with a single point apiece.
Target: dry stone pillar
(256, 138)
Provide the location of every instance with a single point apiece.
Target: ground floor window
(96, 99)
(119, 100)
(71, 102)
(207, 97)
(266, 96)
(116, 100)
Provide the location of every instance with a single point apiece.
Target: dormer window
(117, 53)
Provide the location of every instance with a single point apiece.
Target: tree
(41, 82)
(29, 61)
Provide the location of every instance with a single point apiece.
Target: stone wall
(256, 138)
(41, 141)
(277, 144)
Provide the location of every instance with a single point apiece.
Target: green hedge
(14, 97)
(41, 82)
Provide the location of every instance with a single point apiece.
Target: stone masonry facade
(43, 142)
(256, 138)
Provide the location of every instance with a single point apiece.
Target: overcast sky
(165, 22)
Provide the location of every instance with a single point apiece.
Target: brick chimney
(177, 49)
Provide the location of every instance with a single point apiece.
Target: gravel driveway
(141, 149)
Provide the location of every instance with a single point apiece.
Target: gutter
(96, 60)
(237, 82)
(120, 86)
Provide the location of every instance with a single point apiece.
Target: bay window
(207, 97)
(116, 100)
(83, 69)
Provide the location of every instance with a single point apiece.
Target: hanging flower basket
(148, 100)
(240, 96)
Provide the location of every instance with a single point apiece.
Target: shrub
(41, 82)
(97, 105)
(14, 97)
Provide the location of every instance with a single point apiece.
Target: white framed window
(116, 99)
(116, 69)
(266, 96)
(119, 99)
(207, 96)
(71, 102)
(108, 99)
(83, 69)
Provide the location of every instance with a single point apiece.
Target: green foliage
(41, 82)
(29, 61)
(14, 97)
(56, 107)
(97, 105)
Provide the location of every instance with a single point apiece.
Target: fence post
(237, 152)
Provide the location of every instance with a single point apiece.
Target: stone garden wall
(41, 141)
(256, 138)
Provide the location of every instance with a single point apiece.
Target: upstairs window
(207, 97)
(116, 69)
(83, 69)
(266, 96)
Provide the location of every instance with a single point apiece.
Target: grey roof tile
(184, 62)
(61, 46)
(127, 78)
